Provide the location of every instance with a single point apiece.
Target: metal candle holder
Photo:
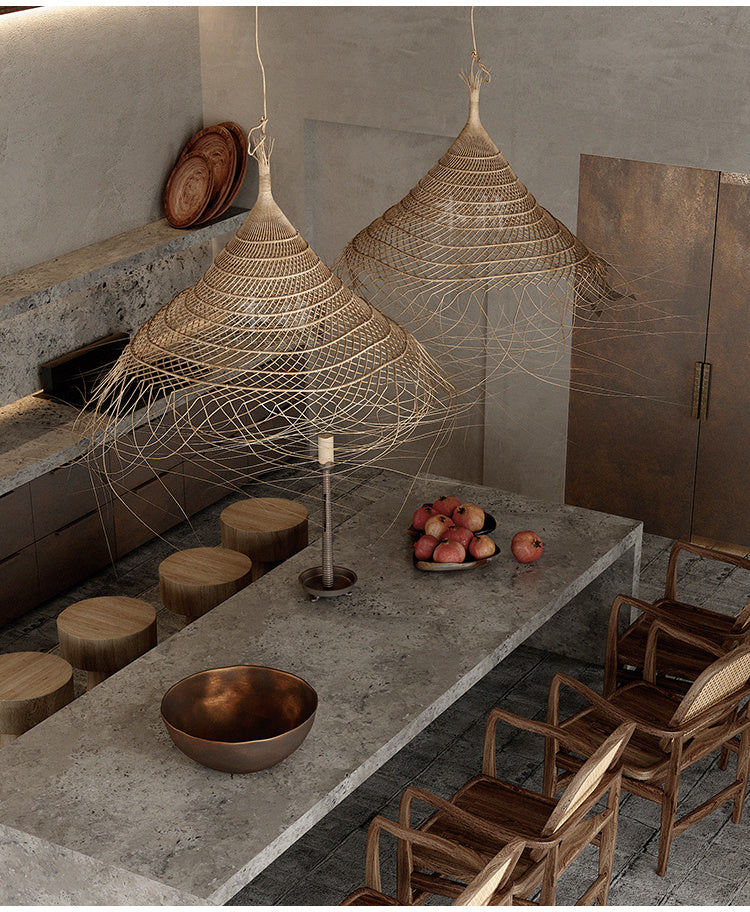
(327, 580)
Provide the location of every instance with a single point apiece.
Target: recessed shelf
(36, 286)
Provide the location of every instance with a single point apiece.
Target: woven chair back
(727, 675)
(482, 889)
(589, 777)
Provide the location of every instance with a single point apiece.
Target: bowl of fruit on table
(451, 534)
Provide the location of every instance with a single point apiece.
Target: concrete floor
(709, 864)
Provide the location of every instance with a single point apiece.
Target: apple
(526, 546)
(421, 515)
(470, 516)
(446, 504)
(459, 534)
(481, 546)
(449, 552)
(437, 524)
(424, 546)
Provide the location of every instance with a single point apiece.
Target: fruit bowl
(469, 564)
(241, 718)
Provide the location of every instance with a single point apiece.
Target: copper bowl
(241, 718)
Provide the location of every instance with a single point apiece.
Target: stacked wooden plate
(207, 176)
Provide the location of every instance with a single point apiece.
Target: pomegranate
(481, 546)
(449, 552)
(446, 504)
(424, 546)
(470, 516)
(437, 524)
(526, 546)
(459, 534)
(421, 515)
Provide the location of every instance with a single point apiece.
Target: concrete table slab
(98, 806)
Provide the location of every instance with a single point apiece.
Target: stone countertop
(38, 285)
(98, 806)
(36, 436)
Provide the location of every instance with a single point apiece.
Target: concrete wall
(362, 100)
(95, 105)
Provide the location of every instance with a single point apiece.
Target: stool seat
(194, 581)
(267, 529)
(33, 685)
(104, 634)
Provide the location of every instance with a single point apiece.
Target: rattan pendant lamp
(265, 353)
(468, 229)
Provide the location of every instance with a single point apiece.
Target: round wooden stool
(267, 529)
(194, 581)
(33, 685)
(101, 635)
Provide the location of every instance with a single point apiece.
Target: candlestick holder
(328, 580)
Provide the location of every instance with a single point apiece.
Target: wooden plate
(240, 142)
(188, 190)
(470, 564)
(218, 145)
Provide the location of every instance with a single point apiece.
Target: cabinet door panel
(722, 484)
(632, 445)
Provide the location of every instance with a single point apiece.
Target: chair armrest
(613, 633)
(670, 590)
(664, 629)
(489, 756)
(459, 853)
(601, 703)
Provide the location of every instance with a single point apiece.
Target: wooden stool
(267, 529)
(194, 581)
(33, 685)
(102, 635)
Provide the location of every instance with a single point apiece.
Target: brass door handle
(701, 384)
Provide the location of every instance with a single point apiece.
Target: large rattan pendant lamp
(470, 229)
(267, 351)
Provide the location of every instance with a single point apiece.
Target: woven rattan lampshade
(267, 350)
(470, 229)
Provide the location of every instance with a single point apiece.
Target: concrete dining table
(97, 805)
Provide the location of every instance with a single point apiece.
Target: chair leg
(743, 771)
(723, 757)
(668, 811)
(549, 884)
(607, 843)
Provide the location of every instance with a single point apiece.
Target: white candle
(325, 448)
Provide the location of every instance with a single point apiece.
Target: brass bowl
(239, 719)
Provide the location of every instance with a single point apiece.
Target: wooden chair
(673, 732)
(489, 887)
(486, 814)
(678, 662)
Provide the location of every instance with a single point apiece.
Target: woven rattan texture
(265, 352)
(470, 230)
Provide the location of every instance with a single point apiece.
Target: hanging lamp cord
(484, 75)
(257, 148)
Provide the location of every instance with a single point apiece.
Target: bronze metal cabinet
(647, 436)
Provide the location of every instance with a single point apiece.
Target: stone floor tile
(720, 860)
(686, 850)
(639, 884)
(334, 878)
(704, 888)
